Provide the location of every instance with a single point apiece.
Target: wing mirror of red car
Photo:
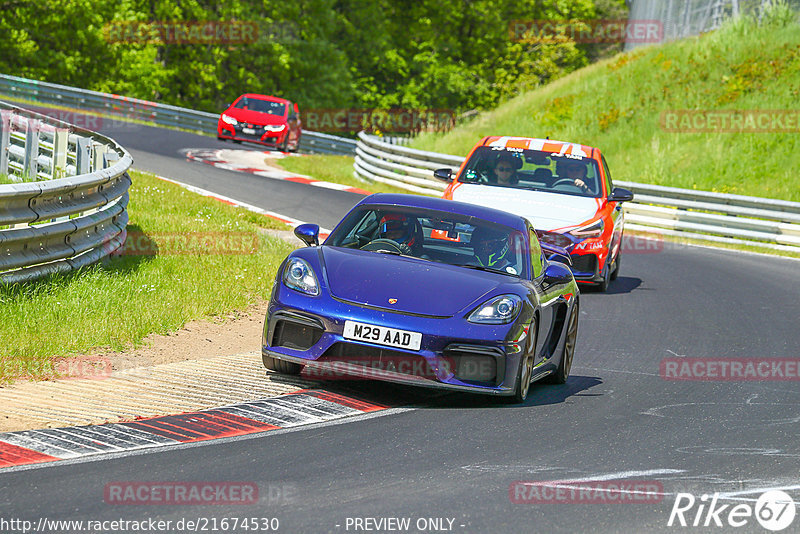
(296, 109)
(443, 174)
(620, 195)
(308, 233)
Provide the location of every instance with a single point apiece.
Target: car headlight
(592, 229)
(498, 310)
(276, 128)
(299, 276)
(227, 119)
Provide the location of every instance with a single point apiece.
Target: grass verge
(619, 105)
(187, 264)
(336, 169)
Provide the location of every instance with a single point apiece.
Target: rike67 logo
(774, 510)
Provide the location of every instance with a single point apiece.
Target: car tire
(525, 372)
(284, 146)
(281, 366)
(560, 375)
(602, 286)
(615, 272)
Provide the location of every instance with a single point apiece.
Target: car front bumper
(454, 354)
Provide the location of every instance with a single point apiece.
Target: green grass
(617, 105)
(336, 169)
(118, 303)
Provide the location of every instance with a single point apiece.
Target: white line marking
(206, 193)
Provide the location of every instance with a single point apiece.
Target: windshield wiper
(479, 268)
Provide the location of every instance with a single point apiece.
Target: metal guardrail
(65, 207)
(700, 215)
(144, 110)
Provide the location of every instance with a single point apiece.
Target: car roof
(264, 97)
(545, 145)
(448, 206)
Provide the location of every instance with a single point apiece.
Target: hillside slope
(619, 105)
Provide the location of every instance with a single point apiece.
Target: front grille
(585, 263)
(378, 359)
(294, 335)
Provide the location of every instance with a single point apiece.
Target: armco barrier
(700, 215)
(144, 110)
(65, 207)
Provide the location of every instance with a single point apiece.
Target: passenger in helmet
(490, 248)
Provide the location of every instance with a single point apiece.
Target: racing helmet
(397, 227)
(490, 246)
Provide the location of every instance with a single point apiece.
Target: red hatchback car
(267, 120)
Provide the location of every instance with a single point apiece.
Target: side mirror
(620, 195)
(443, 174)
(296, 109)
(308, 233)
(556, 273)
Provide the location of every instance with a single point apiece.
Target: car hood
(419, 286)
(546, 211)
(254, 117)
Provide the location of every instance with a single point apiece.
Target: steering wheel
(569, 181)
(387, 245)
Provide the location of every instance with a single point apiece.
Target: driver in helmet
(491, 248)
(575, 171)
(400, 229)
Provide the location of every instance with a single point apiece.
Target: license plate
(248, 131)
(382, 335)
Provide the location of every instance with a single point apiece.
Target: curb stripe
(11, 455)
(285, 411)
(211, 157)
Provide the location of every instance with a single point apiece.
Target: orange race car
(564, 189)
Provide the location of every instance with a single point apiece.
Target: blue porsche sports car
(425, 291)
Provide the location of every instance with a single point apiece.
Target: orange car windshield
(534, 170)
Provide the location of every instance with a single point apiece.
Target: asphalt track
(455, 456)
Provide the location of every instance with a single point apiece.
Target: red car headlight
(593, 229)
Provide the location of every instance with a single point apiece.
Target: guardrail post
(98, 161)
(5, 131)
(31, 166)
(60, 148)
(83, 155)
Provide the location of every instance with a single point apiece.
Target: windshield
(262, 106)
(533, 169)
(436, 236)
